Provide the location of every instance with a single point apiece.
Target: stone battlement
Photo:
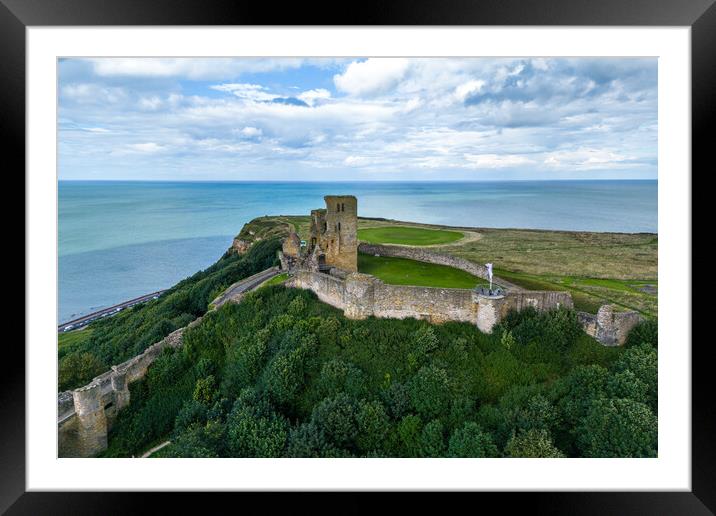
(362, 295)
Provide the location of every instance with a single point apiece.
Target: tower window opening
(339, 226)
(338, 207)
(343, 207)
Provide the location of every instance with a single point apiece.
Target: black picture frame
(700, 15)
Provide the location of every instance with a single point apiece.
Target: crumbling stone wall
(613, 326)
(85, 415)
(538, 299)
(436, 305)
(329, 289)
(362, 295)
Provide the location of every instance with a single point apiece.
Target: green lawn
(276, 280)
(408, 235)
(401, 271)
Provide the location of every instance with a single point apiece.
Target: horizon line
(347, 181)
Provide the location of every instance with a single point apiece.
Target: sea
(121, 239)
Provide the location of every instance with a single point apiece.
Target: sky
(353, 119)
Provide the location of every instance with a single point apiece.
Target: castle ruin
(327, 264)
(333, 240)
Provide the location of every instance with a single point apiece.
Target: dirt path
(155, 449)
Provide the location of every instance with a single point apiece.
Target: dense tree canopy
(284, 375)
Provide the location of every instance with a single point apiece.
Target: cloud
(456, 118)
(88, 93)
(310, 97)
(192, 68)
(251, 92)
(144, 148)
(586, 158)
(251, 132)
(495, 160)
(468, 89)
(374, 75)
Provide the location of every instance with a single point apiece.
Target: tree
(581, 386)
(191, 412)
(340, 376)
(306, 440)
(205, 390)
(284, 377)
(246, 359)
(532, 443)
(618, 428)
(471, 441)
(625, 384)
(646, 332)
(432, 440)
(253, 434)
(397, 399)
(642, 361)
(336, 418)
(373, 425)
(192, 443)
(78, 368)
(430, 392)
(409, 430)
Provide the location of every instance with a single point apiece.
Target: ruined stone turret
(92, 422)
(340, 239)
(333, 240)
(120, 388)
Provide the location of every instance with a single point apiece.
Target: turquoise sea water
(119, 240)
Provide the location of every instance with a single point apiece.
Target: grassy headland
(596, 268)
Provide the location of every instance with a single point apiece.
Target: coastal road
(234, 291)
(105, 312)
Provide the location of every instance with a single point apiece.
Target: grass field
(276, 280)
(401, 271)
(405, 235)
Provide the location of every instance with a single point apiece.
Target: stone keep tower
(334, 233)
